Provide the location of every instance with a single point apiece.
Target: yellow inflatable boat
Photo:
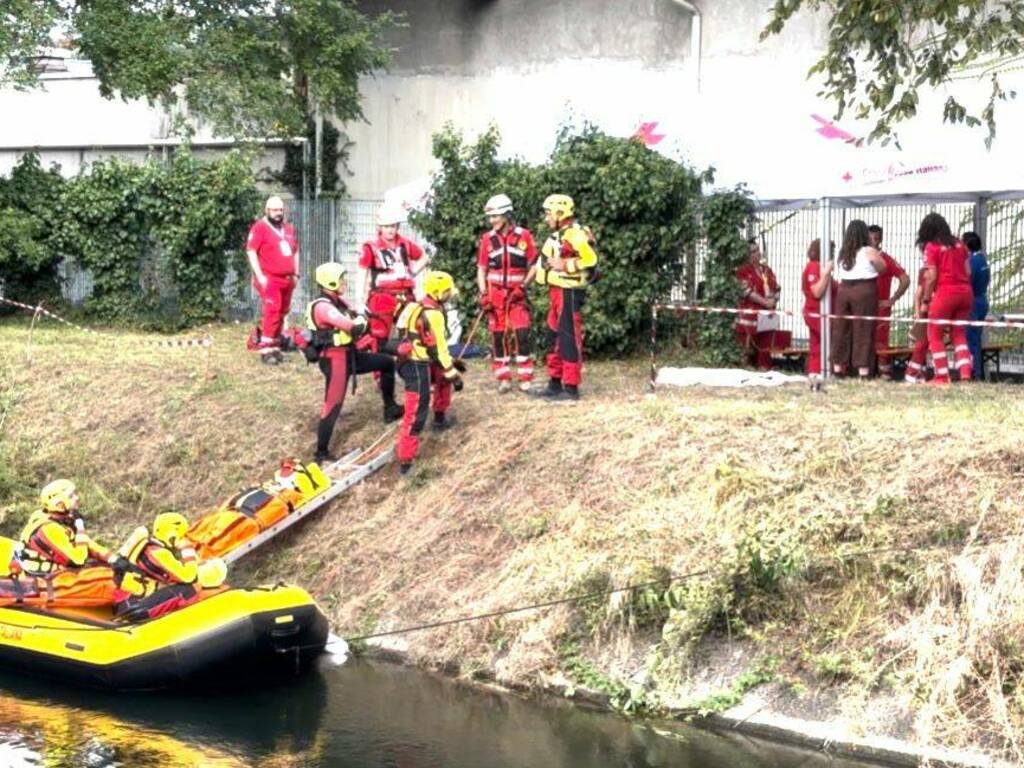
(229, 637)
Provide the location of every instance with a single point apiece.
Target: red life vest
(391, 267)
(507, 259)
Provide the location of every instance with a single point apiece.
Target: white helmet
(389, 213)
(498, 205)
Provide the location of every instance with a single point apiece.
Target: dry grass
(774, 492)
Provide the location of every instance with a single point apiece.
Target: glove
(457, 384)
(459, 366)
(79, 525)
(358, 326)
(485, 302)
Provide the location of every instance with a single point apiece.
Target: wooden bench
(991, 354)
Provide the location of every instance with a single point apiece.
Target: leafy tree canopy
(881, 53)
(248, 67)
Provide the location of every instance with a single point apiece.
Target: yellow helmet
(561, 206)
(168, 527)
(437, 284)
(59, 496)
(330, 275)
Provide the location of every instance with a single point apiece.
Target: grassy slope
(771, 492)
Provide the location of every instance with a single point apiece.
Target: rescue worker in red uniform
(948, 294)
(54, 537)
(160, 572)
(273, 252)
(505, 267)
(814, 282)
(759, 290)
(425, 364)
(568, 263)
(335, 327)
(391, 264)
(886, 298)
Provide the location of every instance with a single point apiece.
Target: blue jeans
(974, 332)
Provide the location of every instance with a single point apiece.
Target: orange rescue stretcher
(214, 534)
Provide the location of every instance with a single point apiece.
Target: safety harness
(384, 261)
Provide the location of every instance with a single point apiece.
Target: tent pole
(825, 235)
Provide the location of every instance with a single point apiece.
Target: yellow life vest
(412, 325)
(330, 337)
(580, 238)
(33, 555)
(144, 574)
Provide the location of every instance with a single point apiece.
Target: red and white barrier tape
(791, 313)
(38, 310)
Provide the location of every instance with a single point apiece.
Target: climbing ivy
(157, 238)
(291, 176)
(29, 208)
(725, 217)
(642, 207)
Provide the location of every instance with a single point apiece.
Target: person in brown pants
(853, 341)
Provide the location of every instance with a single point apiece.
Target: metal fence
(785, 235)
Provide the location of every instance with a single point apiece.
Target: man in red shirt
(273, 252)
(759, 290)
(391, 263)
(886, 299)
(505, 265)
(814, 282)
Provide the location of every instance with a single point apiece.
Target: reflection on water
(358, 716)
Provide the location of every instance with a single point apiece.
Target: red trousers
(950, 304)
(919, 353)
(163, 601)
(813, 345)
(882, 342)
(565, 335)
(509, 324)
(276, 297)
(419, 379)
(757, 347)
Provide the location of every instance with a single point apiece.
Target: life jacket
(36, 556)
(325, 338)
(391, 267)
(143, 575)
(555, 246)
(418, 341)
(507, 263)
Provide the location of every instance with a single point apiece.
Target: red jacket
(760, 280)
(950, 264)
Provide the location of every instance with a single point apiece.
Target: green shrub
(643, 209)
(29, 208)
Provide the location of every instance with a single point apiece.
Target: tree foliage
(881, 53)
(642, 207)
(158, 239)
(249, 68)
(726, 216)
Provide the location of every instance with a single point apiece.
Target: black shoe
(553, 388)
(444, 422)
(567, 395)
(271, 358)
(393, 411)
(404, 468)
(323, 457)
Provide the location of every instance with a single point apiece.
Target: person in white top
(857, 270)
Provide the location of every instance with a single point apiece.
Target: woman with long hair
(853, 341)
(947, 294)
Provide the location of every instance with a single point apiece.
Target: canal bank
(883, 595)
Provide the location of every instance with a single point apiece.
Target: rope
(39, 310)
(669, 579)
(818, 315)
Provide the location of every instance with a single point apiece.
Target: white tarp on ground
(724, 377)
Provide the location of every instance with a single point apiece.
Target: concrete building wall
(531, 66)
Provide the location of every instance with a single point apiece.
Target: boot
(393, 411)
(568, 394)
(405, 467)
(526, 386)
(553, 388)
(324, 457)
(442, 422)
(504, 387)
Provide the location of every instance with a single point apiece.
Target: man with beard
(273, 252)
